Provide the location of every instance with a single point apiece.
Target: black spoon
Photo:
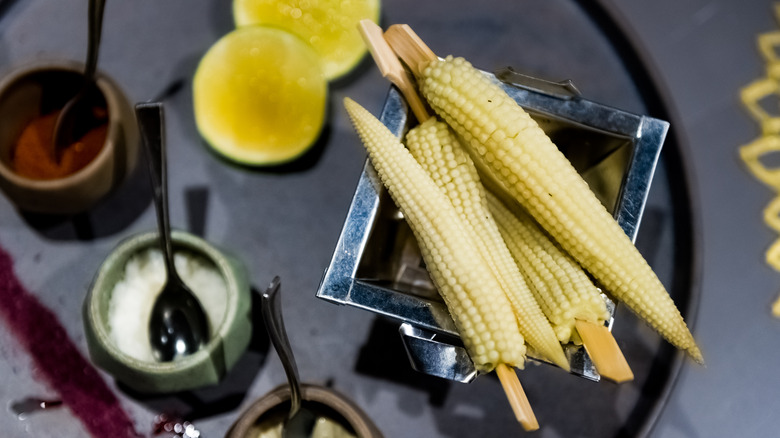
(300, 420)
(178, 324)
(77, 116)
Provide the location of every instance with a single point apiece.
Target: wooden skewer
(391, 67)
(413, 51)
(517, 399)
(409, 47)
(604, 351)
(599, 342)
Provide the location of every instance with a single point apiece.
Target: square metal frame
(633, 145)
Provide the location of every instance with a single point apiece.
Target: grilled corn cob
(516, 151)
(439, 152)
(480, 310)
(559, 284)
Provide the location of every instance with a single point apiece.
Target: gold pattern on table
(762, 100)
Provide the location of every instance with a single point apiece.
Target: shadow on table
(113, 216)
(591, 409)
(223, 397)
(383, 357)
(110, 216)
(6, 6)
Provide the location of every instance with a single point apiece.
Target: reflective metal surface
(436, 354)
(377, 266)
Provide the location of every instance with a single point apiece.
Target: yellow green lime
(330, 26)
(260, 96)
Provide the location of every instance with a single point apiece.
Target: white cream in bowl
(133, 297)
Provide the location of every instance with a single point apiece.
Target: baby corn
(516, 151)
(559, 284)
(439, 152)
(479, 308)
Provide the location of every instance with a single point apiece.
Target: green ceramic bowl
(208, 365)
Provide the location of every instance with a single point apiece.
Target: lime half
(260, 96)
(330, 26)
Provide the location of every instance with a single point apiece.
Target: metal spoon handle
(95, 29)
(272, 316)
(76, 116)
(151, 124)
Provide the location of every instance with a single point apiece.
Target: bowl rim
(119, 255)
(113, 96)
(360, 422)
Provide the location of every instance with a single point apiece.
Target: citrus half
(330, 26)
(260, 96)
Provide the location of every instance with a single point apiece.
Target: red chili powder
(31, 156)
(58, 360)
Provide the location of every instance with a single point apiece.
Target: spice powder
(31, 156)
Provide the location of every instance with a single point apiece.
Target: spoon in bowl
(178, 324)
(300, 421)
(77, 116)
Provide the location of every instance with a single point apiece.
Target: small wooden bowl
(30, 91)
(247, 424)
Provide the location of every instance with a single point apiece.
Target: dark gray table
(682, 61)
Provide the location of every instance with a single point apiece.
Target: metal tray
(377, 265)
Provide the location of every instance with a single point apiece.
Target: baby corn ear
(560, 285)
(505, 140)
(476, 302)
(440, 153)
(570, 300)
